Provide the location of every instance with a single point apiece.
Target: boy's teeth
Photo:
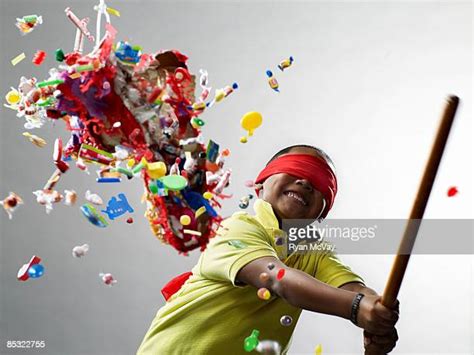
(297, 197)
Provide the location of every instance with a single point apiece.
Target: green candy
(251, 342)
(174, 182)
(59, 55)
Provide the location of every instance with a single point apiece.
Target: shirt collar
(265, 215)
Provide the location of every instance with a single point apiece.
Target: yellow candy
(13, 97)
(220, 94)
(207, 195)
(113, 11)
(18, 59)
(243, 139)
(130, 163)
(156, 170)
(251, 121)
(318, 350)
(263, 294)
(199, 212)
(185, 220)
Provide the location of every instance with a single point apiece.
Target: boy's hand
(380, 344)
(375, 318)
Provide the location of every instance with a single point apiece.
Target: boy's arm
(359, 288)
(304, 291)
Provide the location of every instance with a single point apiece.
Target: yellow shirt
(210, 314)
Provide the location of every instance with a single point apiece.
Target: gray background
(367, 85)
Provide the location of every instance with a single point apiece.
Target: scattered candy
(244, 201)
(80, 250)
(269, 347)
(26, 24)
(93, 198)
(108, 179)
(237, 244)
(280, 274)
(174, 182)
(121, 104)
(58, 154)
(59, 54)
(286, 63)
(80, 24)
(70, 197)
(23, 273)
(18, 59)
(272, 81)
(36, 271)
(250, 122)
(192, 232)
(318, 350)
(11, 203)
(185, 220)
(129, 220)
(39, 57)
(264, 277)
(251, 342)
(113, 12)
(264, 294)
(116, 207)
(93, 216)
(47, 197)
(452, 191)
(38, 141)
(286, 321)
(13, 97)
(108, 279)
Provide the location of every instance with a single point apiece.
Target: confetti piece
(75, 75)
(18, 59)
(452, 191)
(113, 11)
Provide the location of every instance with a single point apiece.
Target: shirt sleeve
(240, 239)
(332, 271)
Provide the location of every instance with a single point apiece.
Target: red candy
(39, 57)
(452, 191)
(130, 220)
(280, 274)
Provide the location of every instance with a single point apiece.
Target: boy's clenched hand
(380, 344)
(374, 317)
(378, 321)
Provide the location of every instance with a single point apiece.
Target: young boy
(217, 306)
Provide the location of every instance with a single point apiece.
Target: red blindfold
(305, 166)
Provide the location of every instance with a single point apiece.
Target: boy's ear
(258, 188)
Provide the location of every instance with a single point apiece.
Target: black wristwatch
(355, 307)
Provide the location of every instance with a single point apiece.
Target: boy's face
(291, 197)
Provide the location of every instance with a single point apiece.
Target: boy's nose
(305, 183)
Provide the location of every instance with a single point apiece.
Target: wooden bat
(389, 297)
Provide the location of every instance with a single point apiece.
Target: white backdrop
(367, 86)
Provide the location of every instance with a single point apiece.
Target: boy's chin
(289, 212)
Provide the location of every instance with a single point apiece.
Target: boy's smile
(292, 197)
